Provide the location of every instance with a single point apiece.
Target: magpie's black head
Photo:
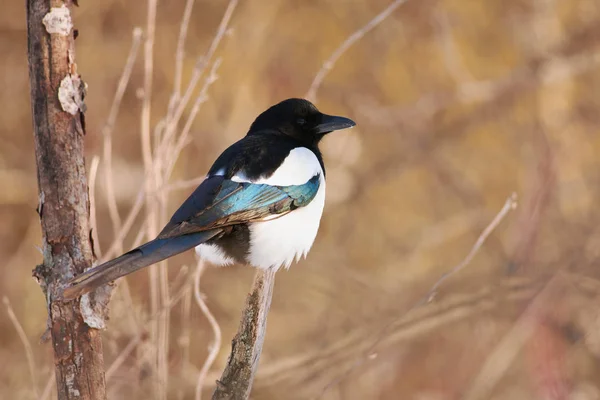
(299, 119)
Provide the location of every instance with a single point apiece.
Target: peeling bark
(63, 195)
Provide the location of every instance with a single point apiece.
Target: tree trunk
(57, 108)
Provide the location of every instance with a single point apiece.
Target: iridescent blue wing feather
(220, 202)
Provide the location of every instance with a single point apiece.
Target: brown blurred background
(458, 104)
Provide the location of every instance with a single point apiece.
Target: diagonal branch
(349, 42)
(237, 378)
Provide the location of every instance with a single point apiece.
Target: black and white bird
(260, 204)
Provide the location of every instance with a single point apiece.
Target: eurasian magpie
(260, 204)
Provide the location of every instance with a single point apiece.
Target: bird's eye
(301, 121)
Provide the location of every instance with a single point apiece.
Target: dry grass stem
(503, 355)
(139, 238)
(452, 59)
(26, 345)
(93, 211)
(509, 205)
(186, 328)
(147, 93)
(183, 139)
(151, 227)
(201, 65)
(120, 359)
(136, 339)
(107, 130)
(160, 162)
(113, 250)
(306, 373)
(180, 53)
(49, 387)
(553, 70)
(216, 345)
(349, 42)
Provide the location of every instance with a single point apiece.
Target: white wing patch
(220, 172)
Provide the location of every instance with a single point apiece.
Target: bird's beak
(330, 123)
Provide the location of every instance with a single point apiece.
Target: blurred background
(458, 105)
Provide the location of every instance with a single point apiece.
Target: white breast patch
(282, 240)
(279, 241)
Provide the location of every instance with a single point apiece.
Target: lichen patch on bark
(58, 21)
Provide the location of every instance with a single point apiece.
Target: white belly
(278, 242)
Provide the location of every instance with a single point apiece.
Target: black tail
(143, 256)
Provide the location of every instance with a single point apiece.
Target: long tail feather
(140, 257)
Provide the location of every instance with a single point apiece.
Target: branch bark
(237, 378)
(57, 108)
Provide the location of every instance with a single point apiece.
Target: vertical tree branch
(57, 107)
(237, 378)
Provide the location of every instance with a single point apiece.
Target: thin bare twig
(166, 151)
(123, 81)
(49, 387)
(186, 328)
(216, 345)
(180, 53)
(147, 95)
(160, 148)
(139, 237)
(184, 136)
(137, 207)
(452, 58)
(26, 345)
(93, 216)
(133, 213)
(509, 205)
(151, 218)
(120, 359)
(168, 147)
(107, 130)
(113, 250)
(349, 42)
(135, 340)
(498, 362)
(201, 64)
